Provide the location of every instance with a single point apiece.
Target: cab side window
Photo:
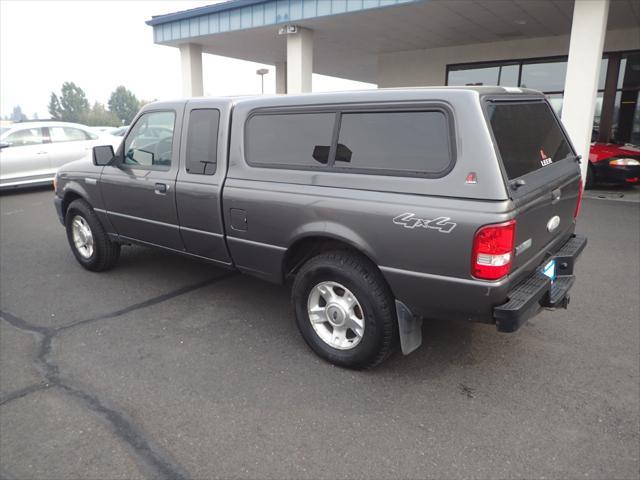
(150, 141)
(27, 136)
(202, 142)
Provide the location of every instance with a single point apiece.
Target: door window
(27, 136)
(150, 141)
(69, 134)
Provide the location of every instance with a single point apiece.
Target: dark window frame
(186, 152)
(152, 168)
(339, 110)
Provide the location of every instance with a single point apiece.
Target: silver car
(31, 152)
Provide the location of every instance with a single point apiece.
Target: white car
(31, 152)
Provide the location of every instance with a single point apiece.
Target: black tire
(364, 280)
(105, 252)
(591, 178)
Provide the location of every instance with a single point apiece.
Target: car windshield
(528, 136)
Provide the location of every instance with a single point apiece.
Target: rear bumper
(537, 290)
(606, 173)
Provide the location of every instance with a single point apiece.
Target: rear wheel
(89, 242)
(345, 310)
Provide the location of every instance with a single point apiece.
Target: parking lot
(169, 368)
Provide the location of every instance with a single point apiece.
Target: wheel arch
(309, 244)
(69, 196)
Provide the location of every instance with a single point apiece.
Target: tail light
(580, 190)
(493, 250)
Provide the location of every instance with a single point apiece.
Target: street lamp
(262, 72)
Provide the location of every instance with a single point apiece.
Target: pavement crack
(150, 302)
(23, 392)
(126, 431)
(122, 426)
(21, 324)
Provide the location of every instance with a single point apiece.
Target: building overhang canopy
(349, 35)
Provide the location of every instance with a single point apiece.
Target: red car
(613, 163)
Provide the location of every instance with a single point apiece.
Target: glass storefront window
(625, 127)
(509, 75)
(626, 117)
(603, 73)
(556, 99)
(629, 75)
(549, 75)
(474, 76)
(635, 132)
(505, 75)
(546, 77)
(543, 76)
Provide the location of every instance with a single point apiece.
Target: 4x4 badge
(409, 220)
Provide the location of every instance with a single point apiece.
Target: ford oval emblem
(553, 223)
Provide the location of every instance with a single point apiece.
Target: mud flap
(409, 327)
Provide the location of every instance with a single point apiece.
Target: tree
(124, 104)
(99, 115)
(55, 110)
(17, 115)
(73, 102)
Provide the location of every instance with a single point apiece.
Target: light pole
(262, 72)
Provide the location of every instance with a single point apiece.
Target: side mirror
(4, 145)
(103, 155)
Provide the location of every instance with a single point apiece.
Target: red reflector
(492, 253)
(580, 190)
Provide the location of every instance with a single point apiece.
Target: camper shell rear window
(528, 136)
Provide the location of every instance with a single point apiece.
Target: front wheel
(89, 242)
(345, 310)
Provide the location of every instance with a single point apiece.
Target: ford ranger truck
(379, 208)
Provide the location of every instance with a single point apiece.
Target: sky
(100, 45)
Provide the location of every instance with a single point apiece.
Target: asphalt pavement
(166, 367)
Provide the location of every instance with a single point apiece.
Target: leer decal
(409, 220)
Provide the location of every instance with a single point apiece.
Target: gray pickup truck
(380, 207)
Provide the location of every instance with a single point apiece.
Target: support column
(191, 60)
(583, 69)
(281, 77)
(299, 61)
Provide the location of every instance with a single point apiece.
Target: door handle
(161, 188)
(41, 153)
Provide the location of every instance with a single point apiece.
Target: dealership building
(584, 54)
